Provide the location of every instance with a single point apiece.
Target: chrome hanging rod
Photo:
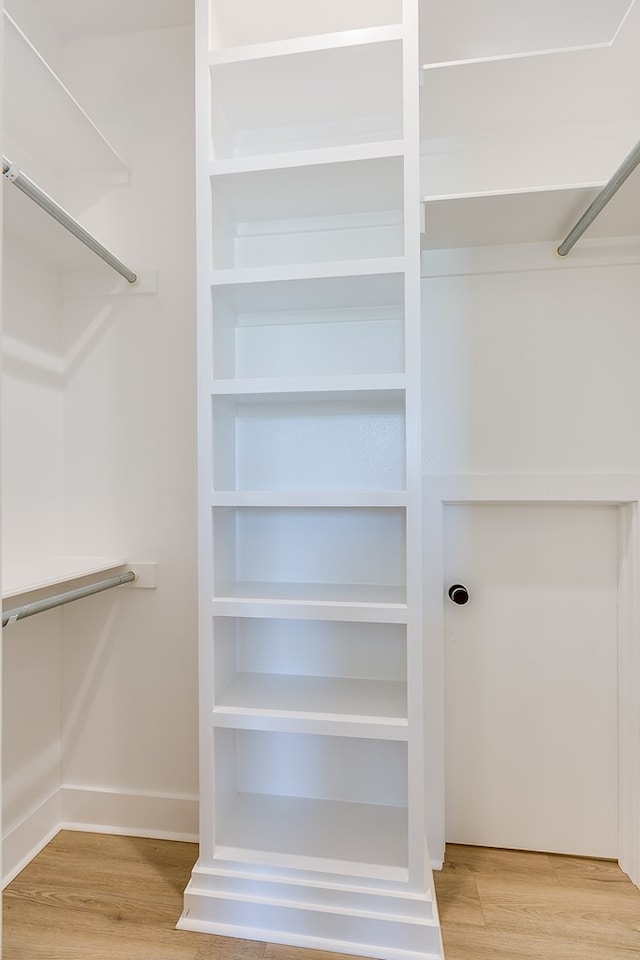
(625, 169)
(31, 190)
(39, 606)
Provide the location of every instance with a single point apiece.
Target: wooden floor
(507, 905)
(96, 897)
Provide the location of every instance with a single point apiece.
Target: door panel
(531, 677)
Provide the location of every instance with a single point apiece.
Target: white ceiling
(82, 18)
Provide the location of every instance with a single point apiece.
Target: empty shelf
(354, 838)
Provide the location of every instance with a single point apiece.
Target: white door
(531, 677)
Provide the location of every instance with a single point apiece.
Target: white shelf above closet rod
(33, 191)
(39, 606)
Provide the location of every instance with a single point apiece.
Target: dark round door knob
(458, 593)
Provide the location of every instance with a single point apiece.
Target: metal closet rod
(33, 191)
(39, 606)
(625, 169)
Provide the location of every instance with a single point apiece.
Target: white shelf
(42, 117)
(307, 333)
(312, 498)
(307, 99)
(307, 158)
(323, 698)
(519, 217)
(19, 578)
(351, 188)
(313, 594)
(304, 389)
(306, 215)
(239, 23)
(463, 30)
(347, 611)
(553, 90)
(275, 49)
(322, 269)
(360, 839)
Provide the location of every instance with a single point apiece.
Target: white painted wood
(338, 931)
(272, 693)
(320, 548)
(318, 649)
(43, 118)
(307, 99)
(310, 474)
(628, 659)
(23, 841)
(535, 91)
(357, 839)
(234, 24)
(519, 160)
(312, 498)
(341, 603)
(531, 678)
(310, 328)
(307, 271)
(493, 340)
(283, 445)
(129, 813)
(305, 158)
(337, 389)
(533, 216)
(19, 578)
(547, 120)
(462, 30)
(341, 211)
(551, 488)
(298, 593)
(308, 44)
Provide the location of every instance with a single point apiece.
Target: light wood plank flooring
(507, 905)
(97, 897)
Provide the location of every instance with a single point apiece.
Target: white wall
(532, 371)
(31, 524)
(130, 667)
(99, 459)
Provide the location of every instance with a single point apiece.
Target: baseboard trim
(161, 816)
(24, 841)
(98, 810)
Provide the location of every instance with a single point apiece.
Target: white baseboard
(21, 844)
(159, 816)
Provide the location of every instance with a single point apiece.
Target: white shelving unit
(312, 753)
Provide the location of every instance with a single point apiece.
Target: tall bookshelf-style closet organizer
(312, 721)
